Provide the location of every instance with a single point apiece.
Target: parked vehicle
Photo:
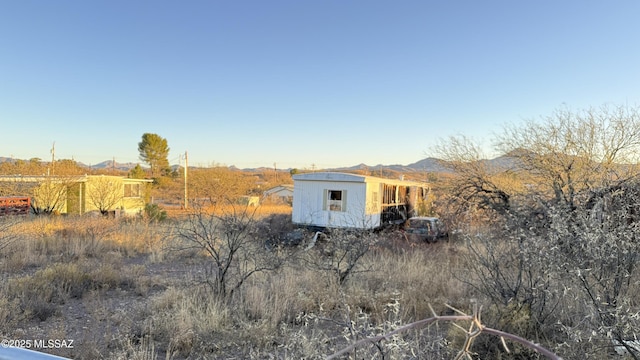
(423, 228)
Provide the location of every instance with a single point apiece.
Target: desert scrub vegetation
(216, 285)
(230, 242)
(99, 281)
(7, 235)
(555, 249)
(39, 294)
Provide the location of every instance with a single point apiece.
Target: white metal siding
(309, 198)
(374, 203)
(364, 198)
(307, 203)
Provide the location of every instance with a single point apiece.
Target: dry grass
(123, 291)
(185, 319)
(282, 297)
(422, 277)
(219, 209)
(51, 239)
(124, 283)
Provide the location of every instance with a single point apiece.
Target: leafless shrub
(340, 252)
(475, 329)
(599, 252)
(229, 240)
(276, 230)
(555, 240)
(8, 232)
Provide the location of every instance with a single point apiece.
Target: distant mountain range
(107, 164)
(425, 165)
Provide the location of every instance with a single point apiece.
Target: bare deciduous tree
(236, 252)
(569, 152)
(476, 182)
(49, 196)
(14, 188)
(566, 225)
(218, 185)
(104, 193)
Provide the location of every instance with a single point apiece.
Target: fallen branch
(476, 329)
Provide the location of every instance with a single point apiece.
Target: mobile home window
(131, 190)
(335, 200)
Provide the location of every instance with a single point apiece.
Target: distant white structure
(249, 200)
(341, 200)
(280, 193)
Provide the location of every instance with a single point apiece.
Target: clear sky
(299, 83)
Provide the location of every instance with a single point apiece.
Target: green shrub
(154, 213)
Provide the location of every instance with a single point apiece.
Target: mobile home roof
(345, 177)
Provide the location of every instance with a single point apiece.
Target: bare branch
(475, 329)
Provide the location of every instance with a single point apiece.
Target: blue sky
(299, 83)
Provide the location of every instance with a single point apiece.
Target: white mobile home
(340, 200)
(282, 194)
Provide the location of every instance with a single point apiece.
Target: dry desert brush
(555, 245)
(7, 234)
(340, 253)
(229, 240)
(475, 329)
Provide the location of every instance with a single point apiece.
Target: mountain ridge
(428, 164)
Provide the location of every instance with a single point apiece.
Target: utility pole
(186, 166)
(53, 156)
(275, 172)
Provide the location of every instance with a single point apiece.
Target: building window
(374, 202)
(131, 190)
(336, 200)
